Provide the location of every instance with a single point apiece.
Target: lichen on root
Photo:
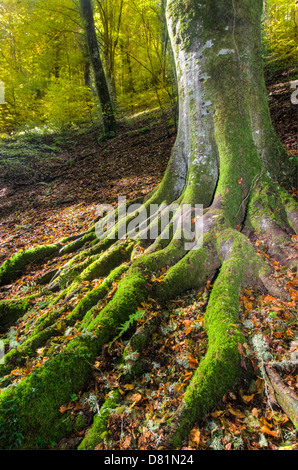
(224, 256)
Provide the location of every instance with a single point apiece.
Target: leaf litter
(44, 213)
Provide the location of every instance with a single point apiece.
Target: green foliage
(47, 73)
(281, 32)
(67, 103)
(10, 426)
(133, 319)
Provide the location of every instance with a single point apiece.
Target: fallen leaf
(193, 362)
(129, 386)
(294, 294)
(126, 443)
(247, 398)
(135, 397)
(17, 372)
(267, 430)
(64, 408)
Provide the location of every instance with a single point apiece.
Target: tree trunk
(227, 158)
(109, 121)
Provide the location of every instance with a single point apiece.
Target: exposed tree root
(14, 267)
(127, 270)
(99, 428)
(12, 310)
(130, 368)
(221, 367)
(285, 397)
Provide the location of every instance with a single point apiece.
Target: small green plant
(133, 319)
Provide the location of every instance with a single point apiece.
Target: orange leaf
(78, 406)
(187, 376)
(126, 443)
(236, 413)
(294, 294)
(64, 408)
(269, 298)
(135, 397)
(248, 306)
(193, 362)
(195, 436)
(129, 386)
(247, 398)
(217, 414)
(17, 371)
(266, 430)
(260, 385)
(240, 349)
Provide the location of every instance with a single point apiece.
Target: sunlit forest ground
(50, 186)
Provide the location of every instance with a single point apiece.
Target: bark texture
(227, 158)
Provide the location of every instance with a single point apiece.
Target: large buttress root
(225, 255)
(218, 160)
(72, 364)
(220, 369)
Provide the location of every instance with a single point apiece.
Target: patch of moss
(99, 426)
(77, 244)
(37, 399)
(91, 299)
(14, 267)
(12, 310)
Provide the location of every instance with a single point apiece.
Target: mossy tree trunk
(227, 158)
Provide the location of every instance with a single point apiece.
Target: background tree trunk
(109, 121)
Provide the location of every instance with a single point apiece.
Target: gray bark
(109, 121)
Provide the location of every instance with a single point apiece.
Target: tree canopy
(47, 72)
(46, 69)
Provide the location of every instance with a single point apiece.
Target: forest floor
(50, 187)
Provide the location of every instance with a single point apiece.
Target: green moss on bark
(91, 299)
(12, 310)
(34, 404)
(220, 369)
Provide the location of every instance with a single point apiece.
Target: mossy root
(221, 367)
(14, 267)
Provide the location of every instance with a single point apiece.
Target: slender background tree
(109, 121)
